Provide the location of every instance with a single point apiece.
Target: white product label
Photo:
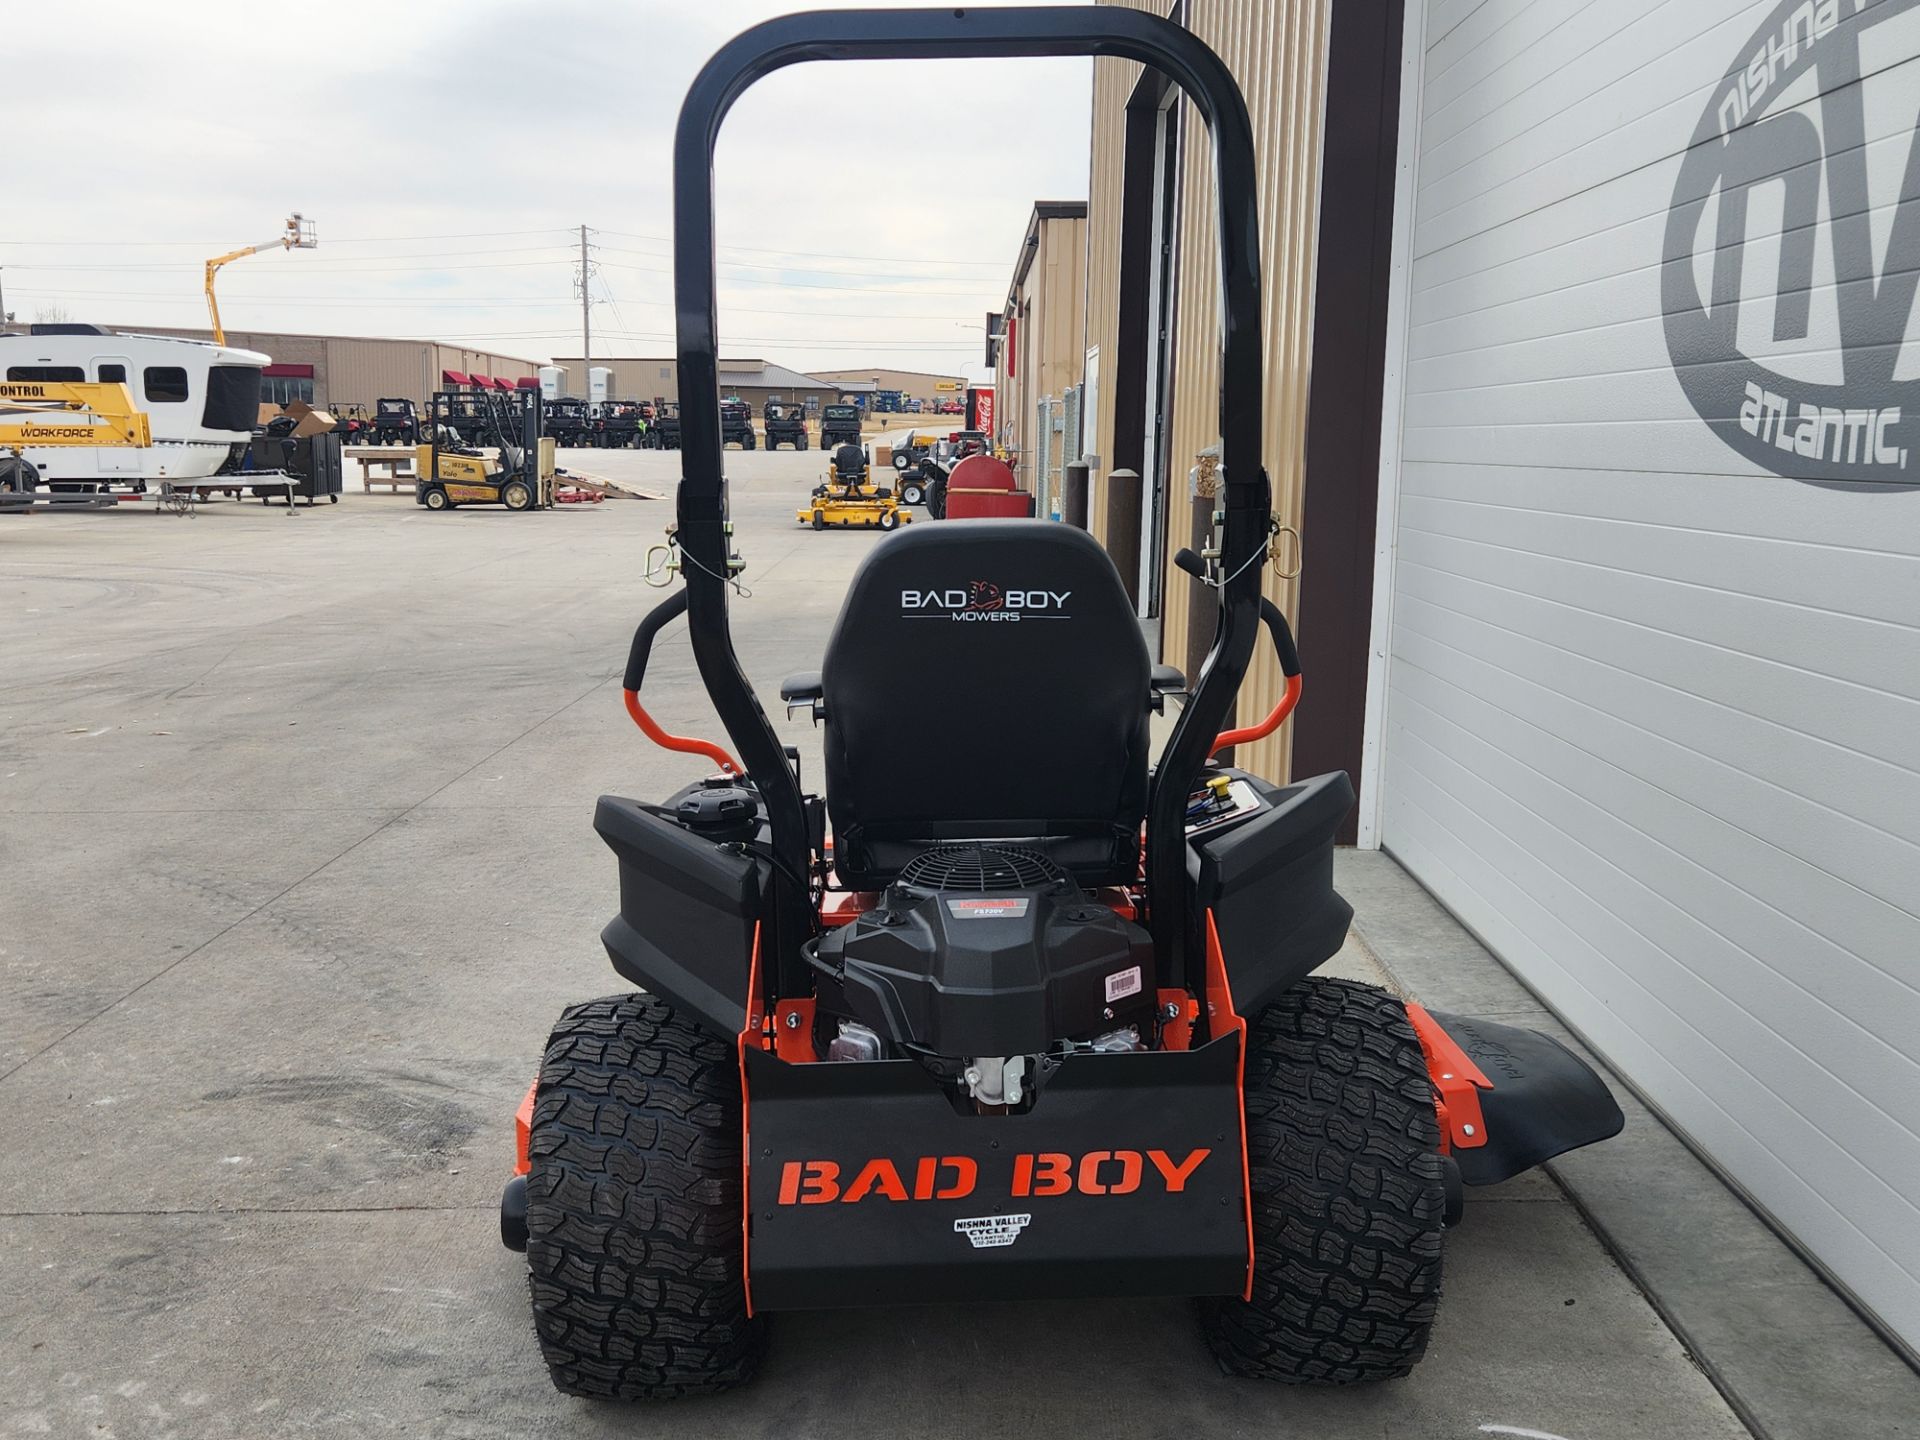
(1122, 984)
(990, 1232)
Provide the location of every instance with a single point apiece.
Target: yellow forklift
(847, 500)
(453, 472)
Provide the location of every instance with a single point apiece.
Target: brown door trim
(1343, 404)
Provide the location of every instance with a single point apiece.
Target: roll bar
(704, 527)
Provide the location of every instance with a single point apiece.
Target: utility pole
(5, 318)
(586, 307)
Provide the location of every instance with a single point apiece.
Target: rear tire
(1343, 1149)
(912, 495)
(634, 1207)
(436, 499)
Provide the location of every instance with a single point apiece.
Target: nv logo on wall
(1785, 129)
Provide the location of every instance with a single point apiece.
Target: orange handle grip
(685, 743)
(1289, 698)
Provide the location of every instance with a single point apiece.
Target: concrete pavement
(294, 820)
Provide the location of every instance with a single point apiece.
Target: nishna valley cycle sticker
(1759, 129)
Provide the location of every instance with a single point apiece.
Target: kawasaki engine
(987, 957)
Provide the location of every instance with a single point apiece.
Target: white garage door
(1652, 701)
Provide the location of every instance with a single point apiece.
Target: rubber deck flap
(1544, 1102)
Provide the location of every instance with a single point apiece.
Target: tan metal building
(1322, 89)
(1041, 352)
(658, 378)
(914, 384)
(350, 369)
(1152, 302)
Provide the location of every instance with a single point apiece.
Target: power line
(554, 230)
(813, 254)
(335, 268)
(805, 269)
(988, 286)
(331, 240)
(494, 302)
(839, 344)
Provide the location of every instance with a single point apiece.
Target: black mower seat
(986, 680)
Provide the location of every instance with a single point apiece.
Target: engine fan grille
(981, 867)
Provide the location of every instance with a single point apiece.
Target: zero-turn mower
(1006, 1020)
(847, 500)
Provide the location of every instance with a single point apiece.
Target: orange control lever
(687, 743)
(1288, 699)
(668, 610)
(1284, 649)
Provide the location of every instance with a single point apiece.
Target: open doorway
(1143, 366)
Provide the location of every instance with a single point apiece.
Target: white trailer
(201, 400)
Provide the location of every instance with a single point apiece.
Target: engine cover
(990, 969)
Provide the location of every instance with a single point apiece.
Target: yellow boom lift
(297, 234)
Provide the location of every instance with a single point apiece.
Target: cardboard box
(309, 421)
(268, 412)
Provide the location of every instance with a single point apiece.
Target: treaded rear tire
(634, 1207)
(1348, 1200)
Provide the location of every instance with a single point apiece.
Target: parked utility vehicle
(786, 424)
(736, 424)
(839, 425)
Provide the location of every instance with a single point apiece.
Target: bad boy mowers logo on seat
(982, 601)
(1788, 120)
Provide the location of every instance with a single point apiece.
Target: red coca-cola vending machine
(980, 410)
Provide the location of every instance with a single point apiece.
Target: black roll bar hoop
(704, 528)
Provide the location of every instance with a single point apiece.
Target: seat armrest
(802, 692)
(1162, 681)
(803, 686)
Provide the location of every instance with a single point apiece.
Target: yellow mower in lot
(846, 499)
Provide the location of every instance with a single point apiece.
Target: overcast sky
(868, 213)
